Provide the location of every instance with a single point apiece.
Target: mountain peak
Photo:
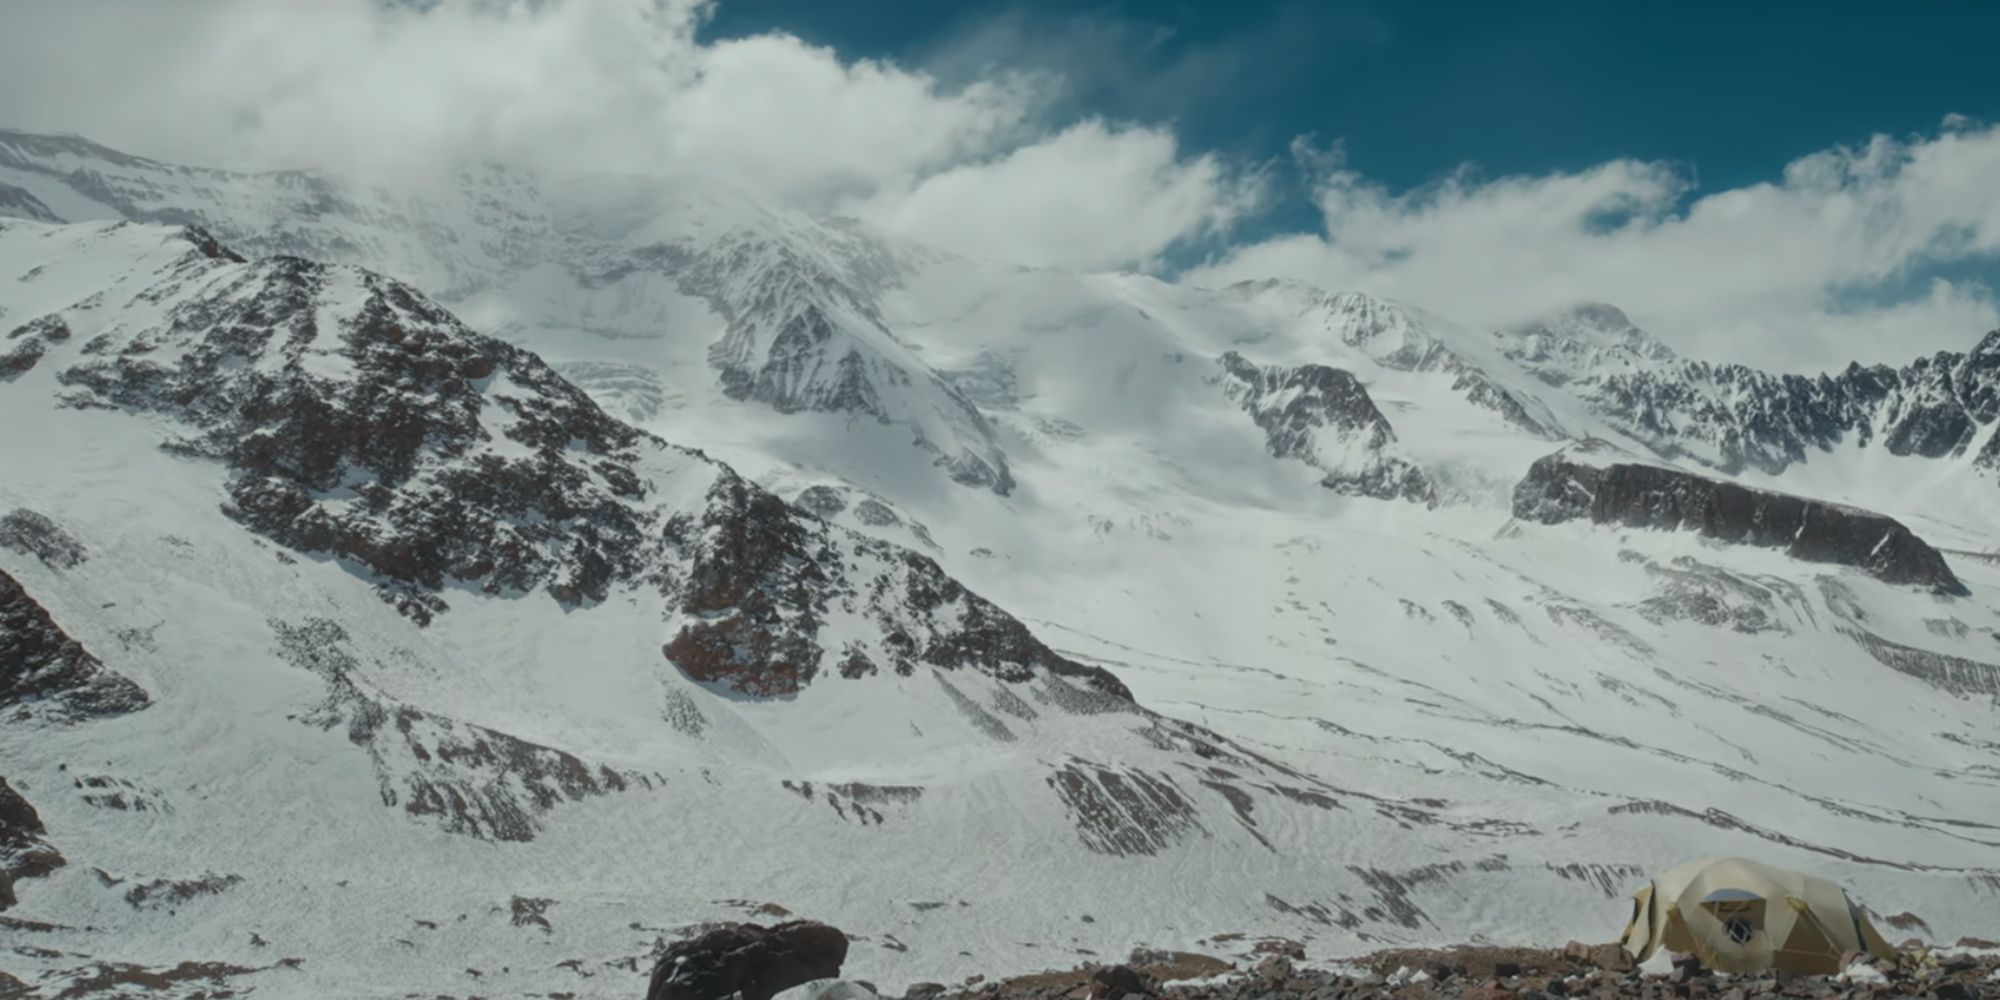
(1581, 340)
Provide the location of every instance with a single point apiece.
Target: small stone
(1611, 958)
(1274, 967)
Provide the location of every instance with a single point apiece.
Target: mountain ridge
(395, 587)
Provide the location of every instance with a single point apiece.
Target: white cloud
(1827, 263)
(363, 87)
(1840, 257)
(1090, 197)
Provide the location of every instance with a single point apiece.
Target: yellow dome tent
(1742, 916)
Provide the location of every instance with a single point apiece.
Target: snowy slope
(1377, 721)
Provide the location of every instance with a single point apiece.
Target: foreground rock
(756, 962)
(1592, 481)
(1488, 973)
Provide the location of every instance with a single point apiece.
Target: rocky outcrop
(1324, 417)
(748, 960)
(26, 344)
(23, 851)
(1123, 813)
(468, 779)
(360, 420)
(763, 579)
(1734, 417)
(1592, 482)
(45, 674)
(1395, 337)
(20, 204)
(32, 533)
(796, 296)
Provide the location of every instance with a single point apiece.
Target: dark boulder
(1581, 484)
(1114, 982)
(757, 962)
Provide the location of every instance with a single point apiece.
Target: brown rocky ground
(1484, 973)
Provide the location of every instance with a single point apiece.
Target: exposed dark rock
(1696, 592)
(1116, 982)
(23, 851)
(1306, 408)
(360, 420)
(1955, 674)
(875, 514)
(824, 502)
(46, 674)
(20, 204)
(19, 359)
(1123, 812)
(755, 962)
(758, 590)
(469, 779)
(166, 893)
(26, 344)
(1735, 417)
(530, 911)
(33, 534)
(1586, 482)
(1486, 972)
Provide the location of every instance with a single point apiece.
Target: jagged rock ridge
(1394, 336)
(1734, 417)
(801, 331)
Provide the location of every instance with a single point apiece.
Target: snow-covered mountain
(465, 588)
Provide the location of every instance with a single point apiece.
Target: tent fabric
(1742, 916)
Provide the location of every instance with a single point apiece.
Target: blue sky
(1733, 91)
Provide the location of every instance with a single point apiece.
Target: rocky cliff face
(1733, 417)
(796, 296)
(360, 420)
(803, 334)
(1393, 336)
(1323, 417)
(44, 673)
(24, 851)
(1590, 482)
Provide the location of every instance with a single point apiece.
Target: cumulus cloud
(377, 89)
(1082, 198)
(1870, 251)
(1842, 257)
